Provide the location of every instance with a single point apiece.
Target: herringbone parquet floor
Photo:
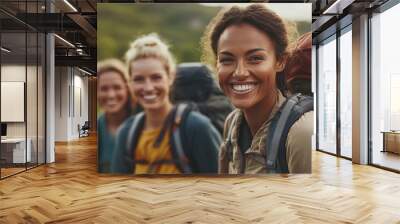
(71, 191)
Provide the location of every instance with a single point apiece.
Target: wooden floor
(5, 172)
(70, 191)
(387, 159)
(10, 171)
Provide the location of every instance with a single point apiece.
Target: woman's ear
(281, 62)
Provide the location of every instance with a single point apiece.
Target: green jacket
(106, 143)
(200, 143)
(249, 152)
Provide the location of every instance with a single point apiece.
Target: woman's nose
(240, 70)
(148, 85)
(111, 94)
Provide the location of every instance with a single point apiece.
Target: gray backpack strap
(288, 114)
(132, 131)
(176, 135)
(272, 152)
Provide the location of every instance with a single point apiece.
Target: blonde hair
(114, 65)
(148, 46)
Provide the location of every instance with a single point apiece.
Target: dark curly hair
(256, 15)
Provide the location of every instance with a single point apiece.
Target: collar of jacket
(257, 148)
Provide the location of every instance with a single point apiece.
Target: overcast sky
(290, 11)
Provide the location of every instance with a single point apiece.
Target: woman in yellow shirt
(164, 139)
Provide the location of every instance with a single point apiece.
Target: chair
(84, 130)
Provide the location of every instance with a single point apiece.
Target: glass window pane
(23, 84)
(385, 114)
(13, 85)
(31, 96)
(327, 96)
(345, 94)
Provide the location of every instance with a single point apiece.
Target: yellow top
(145, 150)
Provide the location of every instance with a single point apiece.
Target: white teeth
(149, 97)
(111, 102)
(243, 87)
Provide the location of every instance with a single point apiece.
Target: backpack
(173, 122)
(194, 83)
(297, 70)
(290, 111)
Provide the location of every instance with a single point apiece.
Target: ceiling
(76, 22)
(328, 13)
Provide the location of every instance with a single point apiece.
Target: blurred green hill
(181, 25)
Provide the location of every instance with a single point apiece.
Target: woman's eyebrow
(255, 50)
(226, 53)
(247, 53)
(136, 76)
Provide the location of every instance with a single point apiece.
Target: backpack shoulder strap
(133, 133)
(288, 114)
(228, 140)
(177, 146)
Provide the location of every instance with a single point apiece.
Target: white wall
(61, 103)
(33, 126)
(12, 73)
(15, 73)
(71, 93)
(81, 101)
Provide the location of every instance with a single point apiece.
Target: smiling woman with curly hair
(267, 132)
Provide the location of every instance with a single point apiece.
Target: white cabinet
(17, 145)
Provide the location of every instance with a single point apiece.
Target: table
(391, 141)
(13, 150)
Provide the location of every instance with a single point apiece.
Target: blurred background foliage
(180, 25)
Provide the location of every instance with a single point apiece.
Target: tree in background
(181, 25)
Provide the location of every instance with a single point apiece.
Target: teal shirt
(105, 145)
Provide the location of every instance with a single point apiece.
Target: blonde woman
(115, 100)
(164, 138)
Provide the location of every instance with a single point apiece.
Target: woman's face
(150, 83)
(113, 92)
(247, 65)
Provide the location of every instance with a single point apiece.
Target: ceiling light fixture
(70, 5)
(86, 72)
(337, 7)
(79, 51)
(5, 49)
(64, 40)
